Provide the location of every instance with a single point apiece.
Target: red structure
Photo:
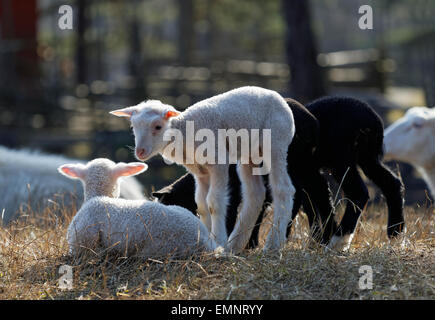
(18, 31)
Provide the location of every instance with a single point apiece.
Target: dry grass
(31, 253)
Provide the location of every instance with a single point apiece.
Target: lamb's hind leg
(217, 200)
(296, 207)
(318, 206)
(357, 194)
(392, 188)
(253, 195)
(283, 193)
(312, 191)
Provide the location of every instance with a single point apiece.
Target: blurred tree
(186, 31)
(307, 82)
(136, 59)
(81, 45)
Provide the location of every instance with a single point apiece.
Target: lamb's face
(149, 121)
(412, 138)
(149, 127)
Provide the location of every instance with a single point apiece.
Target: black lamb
(351, 135)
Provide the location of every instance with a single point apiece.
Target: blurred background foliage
(57, 86)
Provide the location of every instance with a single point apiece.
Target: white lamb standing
(140, 228)
(412, 139)
(243, 108)
(37, 185)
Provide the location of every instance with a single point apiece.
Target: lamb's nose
(140, 153)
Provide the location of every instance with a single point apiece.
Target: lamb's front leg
(217, 200)
(201, 191)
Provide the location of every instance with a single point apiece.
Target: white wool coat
(242, 108)
(140, 228)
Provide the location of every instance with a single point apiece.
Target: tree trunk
(186, 31)
(136, 60)
(81, 46)
(307, 81)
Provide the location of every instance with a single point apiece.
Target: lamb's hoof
(400, 240)
(220, 240)
(237, 242)
(273, 243)
(234, 246)
(340, 243)
(405, 244)
(270, 249)
(220, 252)
(396, 230)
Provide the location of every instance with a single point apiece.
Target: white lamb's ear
(129, 169)
(73, 171)
(170, 113)
(126, 112)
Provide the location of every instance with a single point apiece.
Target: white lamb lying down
(130, 227)
(412, 139)
(37, 185)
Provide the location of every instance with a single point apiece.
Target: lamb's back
(245, 107)
(145, 228)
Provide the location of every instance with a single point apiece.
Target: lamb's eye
(158, 127)
(417, 125)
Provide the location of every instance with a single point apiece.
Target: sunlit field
(32, 251)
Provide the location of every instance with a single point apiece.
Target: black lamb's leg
(297, 202)
(318, 207)
(393, 190)
(311, 210)
(357, 197)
